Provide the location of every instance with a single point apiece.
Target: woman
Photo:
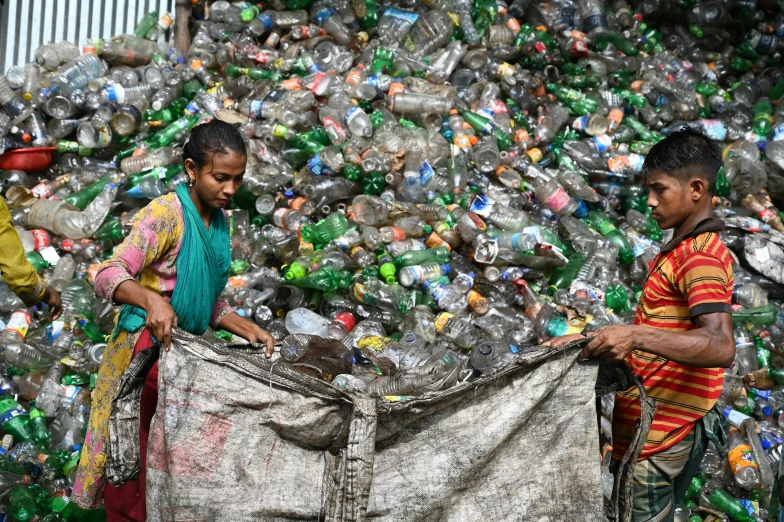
(179, 250)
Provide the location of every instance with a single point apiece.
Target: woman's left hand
(255, 334)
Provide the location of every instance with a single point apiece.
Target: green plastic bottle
(325, 230)
(728, 504)
(324, 279)
(760, 316)
(81, 198)
(722, 185)
(616, 298)
(482, 124)
(763, 354)
(111, 232)
(92, 331)
(605, 227)
(438, 255)
(40, 430)
(563, 276)
(147, 22)
(695, 486)
(37, 260)
(18, 423)
(168, 135)
(763, 117)
(21, 504)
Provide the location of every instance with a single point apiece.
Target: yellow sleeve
(17, 272)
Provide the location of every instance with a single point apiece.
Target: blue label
(323, 14)
(762, 394)
(111, 92)
(480, 204)
(318, 168)
(267, 20)
(254, 109)
(778, 133)
(425, 173)
(514, 349)
(401, 15)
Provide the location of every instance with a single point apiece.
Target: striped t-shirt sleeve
(707, 284)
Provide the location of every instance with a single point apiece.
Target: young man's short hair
(684, 154)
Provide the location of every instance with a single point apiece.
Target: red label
(41, 239)
(41, 191)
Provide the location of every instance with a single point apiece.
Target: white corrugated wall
(26, 24)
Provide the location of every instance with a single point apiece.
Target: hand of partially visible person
(557, 342)
(161, 319)
(255, 334)
(52, 300)
(612, 343)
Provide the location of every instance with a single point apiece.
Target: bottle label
(475, 299)
(373, 342)
(426, 173)
(778, 133)
(485, 112)
(41, 191)
(766, 214)
(363, 295)
(521, 135)
(766, 43)
(317, 167)
(579, 123)
(505, 69)
(480, 205)
(263, 57)
(237, 281)
(267, 21)
(351, 114)
(740, 457)
(558, 201)
(408, 18)
(19, 322)
(323, 14)
(715, 129)
(560, 325)
(434, 240)
(568, 15)
(602, 142)
(417, 273)
(40, 239)
(762, 394)
(279, 216)
(616, 115)
(442, 319)
(464, 142)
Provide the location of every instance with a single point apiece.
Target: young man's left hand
(613, 343)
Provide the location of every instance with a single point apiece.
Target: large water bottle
(304, 321)
(414, 381)
(77, 73)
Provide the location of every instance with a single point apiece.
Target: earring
(190, 181)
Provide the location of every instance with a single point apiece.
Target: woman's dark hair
(213, 138)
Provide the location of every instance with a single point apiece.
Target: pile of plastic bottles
(432, 188)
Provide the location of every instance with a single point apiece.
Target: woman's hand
(255, 334)
(161, 319)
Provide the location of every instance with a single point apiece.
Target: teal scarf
(202, 271)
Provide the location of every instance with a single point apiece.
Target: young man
(682, 335)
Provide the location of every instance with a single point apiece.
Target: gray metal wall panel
(27, 24)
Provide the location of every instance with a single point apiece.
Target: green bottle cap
(427, 229)
(387, 271)
(295, 271)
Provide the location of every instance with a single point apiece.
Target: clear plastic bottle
(416, 380)
(157, 158)
(13, 105)
(304, 321)
(430, 32)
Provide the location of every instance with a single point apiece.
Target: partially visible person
(167, 273)
(18, 273)
(682, 336)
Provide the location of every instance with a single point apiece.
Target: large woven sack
(237, 437)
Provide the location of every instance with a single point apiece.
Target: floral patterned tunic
(148, 254)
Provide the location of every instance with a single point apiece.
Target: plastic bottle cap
(767, 410)
(289, 193)
(447, 269)
(765, 444)
(427, 229)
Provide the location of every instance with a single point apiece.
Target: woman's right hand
(161, 319)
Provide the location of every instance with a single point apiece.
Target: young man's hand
(557, 342)
(613, 343)
(52, 300)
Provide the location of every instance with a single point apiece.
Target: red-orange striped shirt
(691, 276)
